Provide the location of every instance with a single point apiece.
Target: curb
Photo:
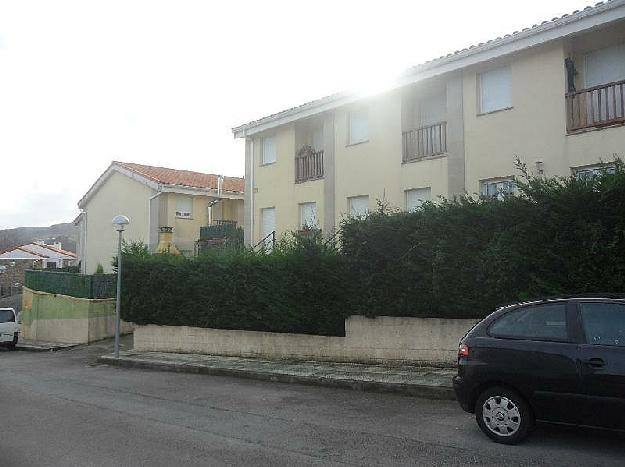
(43, 348)
(407, 389)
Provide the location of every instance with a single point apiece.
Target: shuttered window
(495, 90)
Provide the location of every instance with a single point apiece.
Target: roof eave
(564, 26)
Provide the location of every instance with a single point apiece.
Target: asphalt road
(62, 409)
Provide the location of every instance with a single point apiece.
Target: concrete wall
(384, 339)
(60, 318)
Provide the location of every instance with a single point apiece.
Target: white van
(9, 328)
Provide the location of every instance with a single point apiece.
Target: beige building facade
(552, 96)
(153, 197)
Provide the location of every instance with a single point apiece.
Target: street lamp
(119, 222)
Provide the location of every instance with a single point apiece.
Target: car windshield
(6, 316)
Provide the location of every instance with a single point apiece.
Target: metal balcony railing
(423, 142)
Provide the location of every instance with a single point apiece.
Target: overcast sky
(83, 83)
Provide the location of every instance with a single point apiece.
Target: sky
(83, 83)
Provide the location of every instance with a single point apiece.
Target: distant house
(153, 198)
(37, 255)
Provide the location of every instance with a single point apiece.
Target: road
(63, 409)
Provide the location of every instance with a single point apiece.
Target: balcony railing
(217, 229)
(308, 165)
(425, 141)
(596, 107)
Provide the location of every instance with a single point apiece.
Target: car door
(7, 325)
(534, 350)
(602, 363)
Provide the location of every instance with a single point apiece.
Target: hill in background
(66, 234)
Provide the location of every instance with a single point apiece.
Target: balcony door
(602, 67)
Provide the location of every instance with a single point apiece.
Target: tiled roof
(184, 177)
(434, 63)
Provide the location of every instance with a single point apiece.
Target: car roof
(580, 297)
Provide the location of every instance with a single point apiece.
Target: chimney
(166, 241)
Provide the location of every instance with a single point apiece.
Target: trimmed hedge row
(72, 284)
(453, 259)
(465, 257)
(296, 289)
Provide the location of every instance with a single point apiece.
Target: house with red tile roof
(36, 255)
(153, 198)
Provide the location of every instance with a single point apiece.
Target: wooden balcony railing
(425, 141)
(595, 107)
(308, 166)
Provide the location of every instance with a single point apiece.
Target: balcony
(424, 142)
(308, 164)
(217, 230)
(595, 107)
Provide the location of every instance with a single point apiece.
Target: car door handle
(595, 362)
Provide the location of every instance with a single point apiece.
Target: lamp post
(119, 222)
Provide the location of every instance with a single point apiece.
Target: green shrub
(297, 288)
(451, 259)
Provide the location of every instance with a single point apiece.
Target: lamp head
(120, 222)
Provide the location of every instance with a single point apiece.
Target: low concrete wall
(384, 339)
(69, 320)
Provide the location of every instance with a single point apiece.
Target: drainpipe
(251, 194)
(158, 193)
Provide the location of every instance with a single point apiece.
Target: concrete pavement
(64, 409)
(411, 380)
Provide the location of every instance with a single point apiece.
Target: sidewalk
(40, 346)
(428, 382)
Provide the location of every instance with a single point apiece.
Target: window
(308, 215)
(184, 206)
(7, 316)
(495, 90)
(604, 66)
(497, 188)
(433, 109)
(50, 264)
(358, 126)
(588, 173)
(415, 198)
(358, 206)
(604, 323)
(542, 322)
(268, 149)
(267, 225)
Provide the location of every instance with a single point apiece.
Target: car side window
(541, 322)
(604, 323)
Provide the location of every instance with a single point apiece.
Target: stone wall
(383, 339)
(60, 318)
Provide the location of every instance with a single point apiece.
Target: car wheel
(13, 344)
(503, 415)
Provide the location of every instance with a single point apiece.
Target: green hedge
(296, 289)
(463, 258)
(454, 259)
(72, 284)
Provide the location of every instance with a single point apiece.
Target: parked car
(9, 328)
(557, 360)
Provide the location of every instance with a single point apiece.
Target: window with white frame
(497, 188)
(269, 152)
(308, 216)
(267, 226)
(358, 123)
(184, 206)
(416, 197)
(495, 90)
(590, 172)
(358, 206)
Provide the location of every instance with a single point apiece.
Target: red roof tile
(184, 177)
